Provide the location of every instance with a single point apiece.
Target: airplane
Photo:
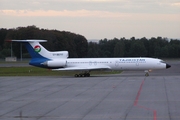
(59, 60)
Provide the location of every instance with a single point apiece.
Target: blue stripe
(38, 62)
(37, 59)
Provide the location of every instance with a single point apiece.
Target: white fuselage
(117, 63)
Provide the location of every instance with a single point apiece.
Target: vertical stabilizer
(36, 50)
(40, 55)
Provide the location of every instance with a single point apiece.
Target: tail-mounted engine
(55, 63)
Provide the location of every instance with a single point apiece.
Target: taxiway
(126, 96)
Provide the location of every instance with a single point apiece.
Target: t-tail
(42, 57)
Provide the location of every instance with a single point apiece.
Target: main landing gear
(146, 73)
(82, 75)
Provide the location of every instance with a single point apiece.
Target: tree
(81, 45)
(3, 33)
(57, 40)
(92, 50)
(137, 49)
(119, 49)
(78, 46)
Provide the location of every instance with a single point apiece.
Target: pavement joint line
(34, 100)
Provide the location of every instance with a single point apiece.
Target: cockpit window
(162, 61)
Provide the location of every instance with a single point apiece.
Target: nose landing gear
(146, 73)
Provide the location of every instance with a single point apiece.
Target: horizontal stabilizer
(32, 40)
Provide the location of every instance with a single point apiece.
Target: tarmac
(126, 96)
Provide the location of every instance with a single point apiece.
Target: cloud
(103, 0)
(88, 13)
(63, 13)
(110, 17)
(177, 4)
(126, 6)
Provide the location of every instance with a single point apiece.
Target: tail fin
(39, 54)
(36, 50)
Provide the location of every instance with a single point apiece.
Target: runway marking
(143, 107)
(139, 92)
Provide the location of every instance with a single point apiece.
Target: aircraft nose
(168, 66)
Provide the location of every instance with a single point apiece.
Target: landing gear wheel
(86, 74)
(76, 75)
(82, 75)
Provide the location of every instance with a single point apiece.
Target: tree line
(57, 41)
(78, 46)
(154, 47)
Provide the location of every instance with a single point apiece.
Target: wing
(84, 68)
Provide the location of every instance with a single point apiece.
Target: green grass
(34, 71)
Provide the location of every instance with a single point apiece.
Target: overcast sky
(96, 19)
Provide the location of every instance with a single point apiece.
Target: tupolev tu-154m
(59, 61)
